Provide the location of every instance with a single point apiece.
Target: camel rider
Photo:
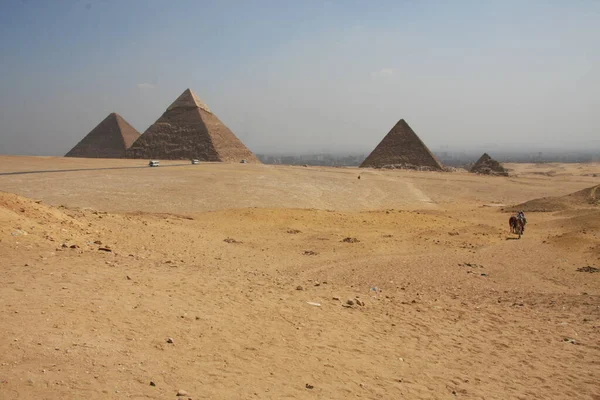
(521, 217)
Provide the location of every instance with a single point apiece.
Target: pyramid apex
(188, 99)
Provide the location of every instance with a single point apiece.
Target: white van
(153, 163)
(195, 162)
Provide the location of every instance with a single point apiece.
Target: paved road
(85, 169)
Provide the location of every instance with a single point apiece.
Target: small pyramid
(402, 148)
(488, 166)
(109, 139)
(189, 130)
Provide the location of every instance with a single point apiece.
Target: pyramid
(189, 130)
(402, 148)
(109, 139)
(488, 166)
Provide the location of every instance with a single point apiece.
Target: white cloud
(383, 73)
(145, 86)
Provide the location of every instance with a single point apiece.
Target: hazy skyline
(306, 76)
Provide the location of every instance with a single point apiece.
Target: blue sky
(306, 75)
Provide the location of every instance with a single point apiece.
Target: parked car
(244, 161)
(195, 162)
(153, 163)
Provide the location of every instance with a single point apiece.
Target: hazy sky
(305, 75)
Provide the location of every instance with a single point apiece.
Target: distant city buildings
(454, 159)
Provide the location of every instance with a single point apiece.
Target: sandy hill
(189, 130)
(585, 198)
(402, 148)
(109, 139)
(486, 165)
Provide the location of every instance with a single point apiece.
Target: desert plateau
(251, 281)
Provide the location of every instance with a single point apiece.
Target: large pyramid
(109, 139)
(488, 166)
(402, 148)
(189, 130)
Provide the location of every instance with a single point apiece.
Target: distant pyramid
(109, 139)
(402, 148)
(488, 166)
(189, 130)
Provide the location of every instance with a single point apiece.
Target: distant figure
(359, 177)
(521, 217)
(517, 223)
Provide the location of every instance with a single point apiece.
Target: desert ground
(241, 281)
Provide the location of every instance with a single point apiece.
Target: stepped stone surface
(189, 130)
(402, 148)
(488, 166)
(109, 139)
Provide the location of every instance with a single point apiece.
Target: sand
(102, 267)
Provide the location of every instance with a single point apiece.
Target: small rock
(152, 383)
(74, 246)
(317, 283)
(360, 303)
(106, 248)
(299, 287)
(336, 297)
(309, 386)
(170, 340)
(128, 278)
(350, 302)
(181, 393)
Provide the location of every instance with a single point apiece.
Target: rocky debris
(360, 302)
(589, 269)
(309, 386)
(350, 302)
(336, 298)
(410, 167)
(152, 383)
(486, 165)
(569, 340)
(230, 240)
(299, 287)
(170, 340)
(293, 231)
(181, 393)
(105, 248)
(471, 265)
(350, 240)
(310, 253)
